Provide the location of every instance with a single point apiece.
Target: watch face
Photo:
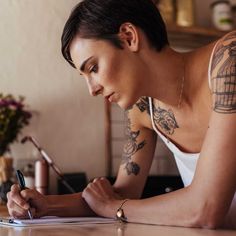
(120, 213)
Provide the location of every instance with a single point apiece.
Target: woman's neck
(166, 78)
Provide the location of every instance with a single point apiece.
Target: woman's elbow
(210, 216)
(213, 222)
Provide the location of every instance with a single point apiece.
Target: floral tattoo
(130, 148)
(143, 104)
(164, 118)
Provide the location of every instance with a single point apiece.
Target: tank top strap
(172, 147)
(210, 64)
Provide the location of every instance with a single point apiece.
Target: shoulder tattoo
(131, 147)
(143, 104)
(224, 76)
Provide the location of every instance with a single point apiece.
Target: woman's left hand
(101, 197)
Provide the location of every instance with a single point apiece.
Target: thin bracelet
(123, 203)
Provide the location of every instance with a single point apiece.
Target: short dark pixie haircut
(101, 19)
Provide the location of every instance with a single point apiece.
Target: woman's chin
(125, 105)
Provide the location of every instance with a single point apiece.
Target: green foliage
(13, 117)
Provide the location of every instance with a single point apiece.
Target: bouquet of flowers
(13, 117)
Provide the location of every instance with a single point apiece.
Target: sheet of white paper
(49, 220)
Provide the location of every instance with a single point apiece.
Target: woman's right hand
(19, 202)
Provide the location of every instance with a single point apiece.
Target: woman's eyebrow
(82, 67)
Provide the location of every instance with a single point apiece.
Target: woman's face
(114, 73)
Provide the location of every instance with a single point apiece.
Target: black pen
(21, 182)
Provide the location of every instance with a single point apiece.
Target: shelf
(195, 30)
(192, 37)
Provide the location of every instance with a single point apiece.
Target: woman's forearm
(162, 210)
(68, 205)
(179, 208)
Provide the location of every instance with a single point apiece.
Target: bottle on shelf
(167, 10)
(222, 15)
(185, 12)
(41, 176)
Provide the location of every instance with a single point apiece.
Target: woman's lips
(109, 97)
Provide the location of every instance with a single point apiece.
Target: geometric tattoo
(224, 76)
(130, 148)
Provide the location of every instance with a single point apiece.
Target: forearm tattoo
(165, 119)
(224, 76)
(131, 147)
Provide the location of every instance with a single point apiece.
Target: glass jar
(222, 15)
(185, 12)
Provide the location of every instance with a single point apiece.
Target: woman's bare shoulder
(223, 45)
(140, 113)
(227, 38)
(223, 78)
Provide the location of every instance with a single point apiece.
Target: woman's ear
(129, 36)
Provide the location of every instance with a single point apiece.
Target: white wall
(70, 123)
(67, 122)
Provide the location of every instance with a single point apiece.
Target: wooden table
(116, 229)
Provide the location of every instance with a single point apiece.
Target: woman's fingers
(99, 195)
(18, 202)
(18, 213)
(15, 196)
(105, 187)
(29, 194)
(99, 188)
(15, 210)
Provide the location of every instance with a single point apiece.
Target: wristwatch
(120, 215)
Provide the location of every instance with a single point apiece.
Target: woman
(188, 99)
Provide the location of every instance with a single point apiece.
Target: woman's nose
(94, 87)
(95, 90)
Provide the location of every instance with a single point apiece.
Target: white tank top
(187, 162)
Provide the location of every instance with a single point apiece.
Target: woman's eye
(93, 69)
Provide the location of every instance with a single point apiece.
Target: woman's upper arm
(137, 155)
(215, 176)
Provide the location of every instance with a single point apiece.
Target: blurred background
(68, 123)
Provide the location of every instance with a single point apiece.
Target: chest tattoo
(165, 119)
